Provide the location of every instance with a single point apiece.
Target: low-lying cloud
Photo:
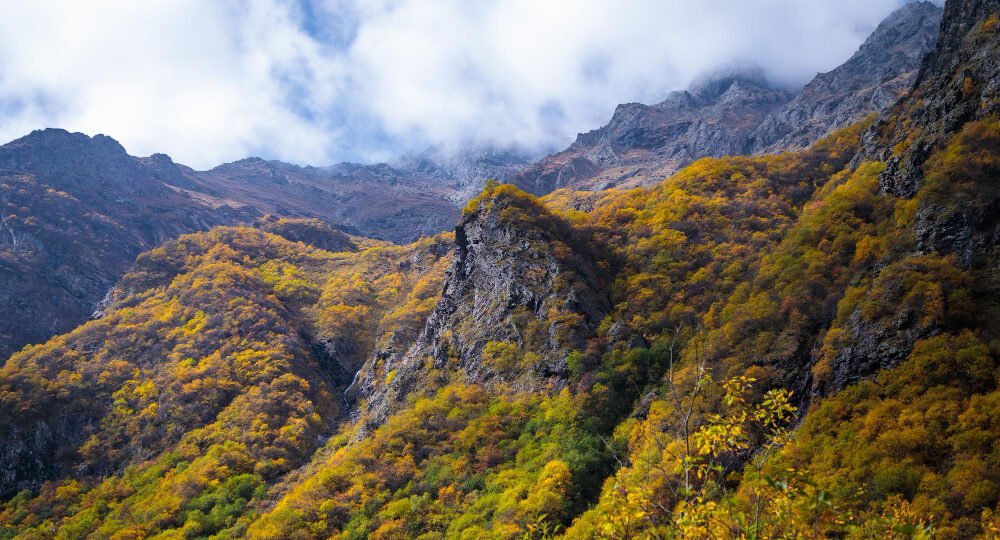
(323, 81)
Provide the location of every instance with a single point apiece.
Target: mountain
(873, 79)
(465, 171)
(76, 211)
(419, 194)
(787, 345)
(738, 112)
(406, 207)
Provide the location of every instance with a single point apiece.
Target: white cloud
(209, 82)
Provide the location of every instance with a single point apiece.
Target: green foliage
(459, 461)
(207, 395)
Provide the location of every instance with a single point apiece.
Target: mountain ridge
(737, 112)
(757, 346)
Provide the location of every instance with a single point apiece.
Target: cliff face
(644, 143)
(883, 69)
(522, 292)
(736, 114)
(940, 146)
(957, 83)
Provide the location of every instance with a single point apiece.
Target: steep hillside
(75, 211)
(216, 367)
(799, 345)
(739, 113)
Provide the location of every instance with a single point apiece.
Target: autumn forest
(789, 345)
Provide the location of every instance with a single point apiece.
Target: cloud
(322, 81)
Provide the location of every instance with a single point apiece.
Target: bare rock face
(522, 278)
(714, 118)
(873, 79)
(736, 113)
(959, 81)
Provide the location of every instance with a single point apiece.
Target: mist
(338, 80)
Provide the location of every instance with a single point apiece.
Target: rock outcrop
(523, 284)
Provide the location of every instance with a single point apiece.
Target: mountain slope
(738, 113)
(228, 349)
(761, 346)
(75, 211)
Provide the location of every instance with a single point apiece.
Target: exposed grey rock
(872, 346)
(715, 117)
(739, 112)
(940, 104)
(515, 265)
(958, 81)
(873, 79)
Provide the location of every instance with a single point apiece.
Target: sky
(323, 81)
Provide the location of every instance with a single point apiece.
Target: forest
(779, 346)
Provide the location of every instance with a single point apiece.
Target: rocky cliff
(940, 146)
(523, 291)
(740, 113)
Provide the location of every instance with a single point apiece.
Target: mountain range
(737, 112)
(67, 239)
(793, 344)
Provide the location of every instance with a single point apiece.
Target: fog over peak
(331, 80)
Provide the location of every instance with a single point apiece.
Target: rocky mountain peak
(909, 31)
(61, 138)
(56, 150)
(713, 86)
(736, 111)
